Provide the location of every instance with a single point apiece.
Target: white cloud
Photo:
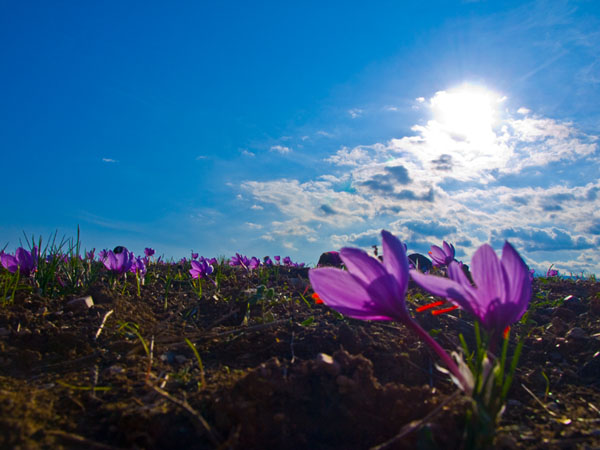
(289, 246)
(280, 149)
(248, 153)
(355, 112)
(257, 207)
(324, 134)
(436, 183)
(109, 160)
(524, 111)
(253, 226)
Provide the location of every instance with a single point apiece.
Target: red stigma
(318, 300)
(430, 305)
(445, 310)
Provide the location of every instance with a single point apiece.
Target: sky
(280, 128)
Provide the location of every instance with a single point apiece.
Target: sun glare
(467, 112)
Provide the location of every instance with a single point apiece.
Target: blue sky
(286, 129)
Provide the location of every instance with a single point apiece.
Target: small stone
(553, 407)
(114, 370)
(327, 363)
(80, 304)
(577, 333)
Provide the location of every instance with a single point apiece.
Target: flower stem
(448, 361)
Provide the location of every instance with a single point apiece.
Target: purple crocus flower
(254, 263)
(239, 260)
(194, 255)
(119, 262)
(375, 290)
(277, 259)
(442, 256)
(149, 252)
(9, 262)
(369, 289)
(23, 260)
(90, 255)
(138, 265)
(213, 261)
(200, 269)
(503, 287)
(551, 272)
(267, 261)
(287, 261)
(102, 254)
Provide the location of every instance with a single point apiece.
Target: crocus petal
(437, 255)
(345, 293)
(448, 250)
(488, 275)
(9, 262)
(445, 288)
(387, 298)
(519, 292)
(395, 260)
(361, 265)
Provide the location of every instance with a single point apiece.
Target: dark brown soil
(269, 381)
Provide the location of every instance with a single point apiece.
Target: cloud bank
(487, 175)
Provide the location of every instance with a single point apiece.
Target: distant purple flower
(267, 261)
(442, 256)
(551, 272)
(531, 274)
(149, 252)
(277, 258)
(239, 260)
(213, 261)
(9, 262)
(503, 287)
(138, 265)
(194, 255)
(200, 269)
(119, 262)
(102, 254)
(287, 261)
(90, 255)
(23, 260)
(254, 263)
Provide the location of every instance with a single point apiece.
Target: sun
(467, 112)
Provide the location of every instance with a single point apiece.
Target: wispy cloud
(280, 149)
(355, 112)
(109, 160)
